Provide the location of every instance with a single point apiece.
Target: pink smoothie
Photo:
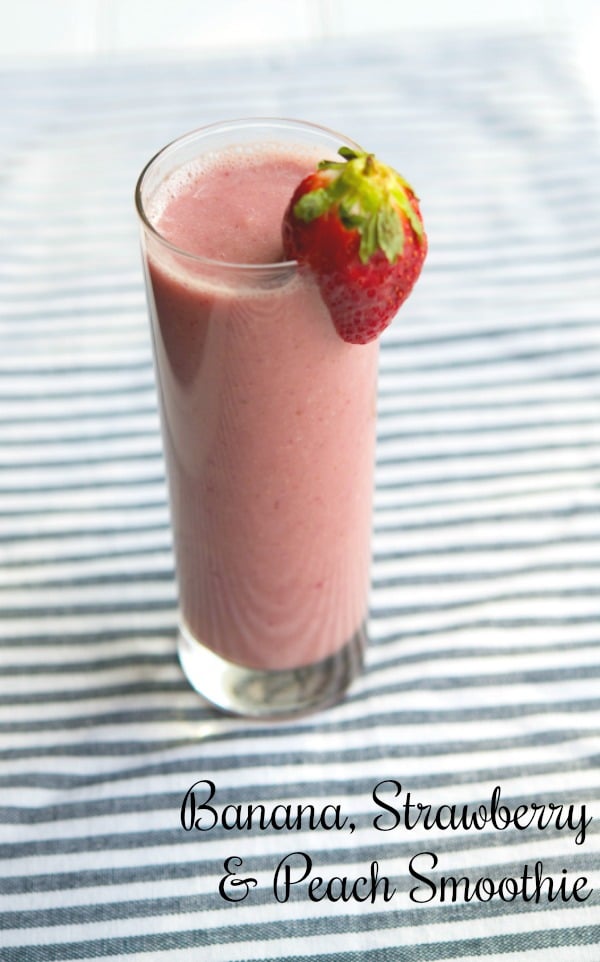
(268, 421)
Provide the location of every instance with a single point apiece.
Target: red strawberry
(357, 226)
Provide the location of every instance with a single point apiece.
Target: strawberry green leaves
(368, 197)
(389, 235)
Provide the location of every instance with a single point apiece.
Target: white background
(83, 28)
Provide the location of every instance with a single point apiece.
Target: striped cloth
(482, 675)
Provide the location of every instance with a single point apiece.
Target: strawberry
(357, 226)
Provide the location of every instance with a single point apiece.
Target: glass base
(256, 693)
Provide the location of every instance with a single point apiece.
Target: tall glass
(268, 423)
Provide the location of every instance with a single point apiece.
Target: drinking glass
(268, 423)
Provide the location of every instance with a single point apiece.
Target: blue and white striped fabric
(485, 657)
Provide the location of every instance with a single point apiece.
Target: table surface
(482, 675)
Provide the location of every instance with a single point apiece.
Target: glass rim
(224, 125)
